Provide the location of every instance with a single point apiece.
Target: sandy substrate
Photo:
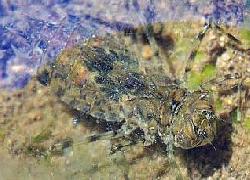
(34, 111)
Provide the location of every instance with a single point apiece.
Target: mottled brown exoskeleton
(104, 81)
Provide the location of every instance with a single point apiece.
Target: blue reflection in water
(34, 31)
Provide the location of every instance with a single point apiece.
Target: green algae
(2, 135)
(196, 79)
(218, 105)
(209, 72)
(43, 136)
(200, 55)
(247, 123)
(245, 35)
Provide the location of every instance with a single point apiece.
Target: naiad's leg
(232, 42)
(196, 44)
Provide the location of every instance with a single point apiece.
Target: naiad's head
(193, 118)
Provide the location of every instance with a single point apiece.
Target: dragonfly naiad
(163, 89)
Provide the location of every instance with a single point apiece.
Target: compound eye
(208, 114)
(202, 133)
